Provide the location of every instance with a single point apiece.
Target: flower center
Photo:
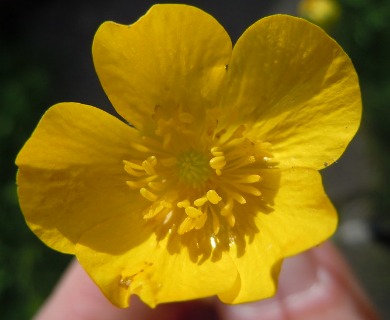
(193, 168)
(201, 184)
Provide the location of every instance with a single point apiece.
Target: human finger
(317, 285)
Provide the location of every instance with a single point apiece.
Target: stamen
(140, 183)
(248, 189)
(236, 196)
(186, 225)
(200, 221)
(155, 185)
(140, 147)
(217, 162)
(216, 151)
(132, 172)
(242, 162)
(193, 212)
(183, 204)
(148, 167)
(133, 165)
(200, 202)
(253, 178)
(148, 195)
(213, 196)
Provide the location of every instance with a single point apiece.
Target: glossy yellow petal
(258, 268)
(303, 215)
(71, 174)
(297, 88)
(302, 218)
(123, 256)
(173, 58)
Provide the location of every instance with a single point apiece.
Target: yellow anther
(186, 225)
(140, 147)
(186, 117)
(140, 183)
(132, 165)
(129, 168)
(236, 196)
(148, 195)
(217, 163)
(193, 212)
(152, 160)
(147, 166)
(200, 202)
(249, 179)
(183, 204)
(155, 185)
(216, 151)
(249, 189)
(134, 184)
(200, 221)
(213, 196)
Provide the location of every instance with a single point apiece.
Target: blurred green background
(45, 58)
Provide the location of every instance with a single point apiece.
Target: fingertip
(77, 297)
(317, 285)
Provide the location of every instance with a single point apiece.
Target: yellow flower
(216, 179)
(324, 13)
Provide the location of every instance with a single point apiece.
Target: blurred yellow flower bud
(324, 13)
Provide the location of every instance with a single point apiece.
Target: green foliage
(28, 270)
(364, 33)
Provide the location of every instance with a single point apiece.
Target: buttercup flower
(215, 180)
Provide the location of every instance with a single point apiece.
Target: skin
(317, 284)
